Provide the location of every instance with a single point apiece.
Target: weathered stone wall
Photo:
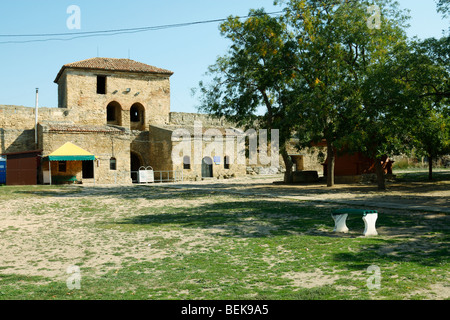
(23, 118)
(311, 159)
(160, 149)
(17, 125)
(103, 145)
(188, 119)
(79, 91)
(15, 140)
(207, 146)
(235, 169)
(154, 147)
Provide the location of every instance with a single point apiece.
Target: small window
(186, 163)
(101, 84)
(226, 162)
(113, 164)
(62, 166)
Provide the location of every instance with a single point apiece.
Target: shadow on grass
(413, 194)
(122, 192)
(426, 241)
(420, 251)
(422, 176)
(251, 218)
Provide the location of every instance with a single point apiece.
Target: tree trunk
(381, 180)
(430, 168)
(288, 164)
(330, 164)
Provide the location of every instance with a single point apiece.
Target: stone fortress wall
(153, 146)
(17, 124)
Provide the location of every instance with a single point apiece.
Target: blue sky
(187, 51)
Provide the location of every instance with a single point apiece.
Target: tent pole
(50, 171)
(93, 163)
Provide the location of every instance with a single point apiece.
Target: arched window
(186, 162)
(113, 164)
(114, 114)
(137, 116)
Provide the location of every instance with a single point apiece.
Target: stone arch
(114, 113)
(137, 117)
(136, 161)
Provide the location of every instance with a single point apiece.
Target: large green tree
(390, 107)
(431, 80)
(432, 136)
(405, 102)
(248, 84)
(339, 47)
(336, 71)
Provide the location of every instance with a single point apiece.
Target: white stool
(369, 217)
(340, 223)
(369, 222)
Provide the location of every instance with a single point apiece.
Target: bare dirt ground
(45, 243)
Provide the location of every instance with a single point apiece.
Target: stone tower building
(119, 92)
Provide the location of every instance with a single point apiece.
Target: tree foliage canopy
(343, 72)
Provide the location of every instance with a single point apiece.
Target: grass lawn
(153, 242)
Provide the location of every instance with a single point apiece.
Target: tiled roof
(78, 128)
(112, 64)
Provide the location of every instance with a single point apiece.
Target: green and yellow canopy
(71, 152)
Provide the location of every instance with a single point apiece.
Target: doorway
(207, 167)
(136, 164)
(88, 169)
